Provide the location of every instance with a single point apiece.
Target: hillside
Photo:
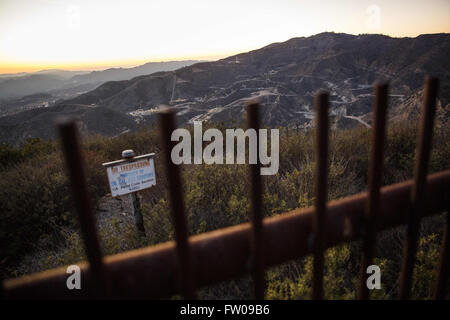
(284, 77)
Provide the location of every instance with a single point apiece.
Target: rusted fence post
(419, 187)
(321, 190)
(167, 123)
(75, 165)
(257, 253)
(374, 184)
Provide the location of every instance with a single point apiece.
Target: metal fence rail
(192, 262)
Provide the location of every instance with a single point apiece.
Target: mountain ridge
(13, 86)
(399, 71)
(284, 77)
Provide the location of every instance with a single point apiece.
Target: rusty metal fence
(190, 262)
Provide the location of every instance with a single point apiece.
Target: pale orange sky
(96, 34)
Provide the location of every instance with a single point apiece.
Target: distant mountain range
(63, 81)
(283, 76)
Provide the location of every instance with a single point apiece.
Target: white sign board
(132, 176)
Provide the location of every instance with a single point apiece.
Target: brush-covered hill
(285, 75)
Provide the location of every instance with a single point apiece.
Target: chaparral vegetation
(39, 228)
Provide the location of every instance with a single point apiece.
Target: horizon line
(101, 66)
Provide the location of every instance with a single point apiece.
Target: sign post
(128, 176)
(138, 219)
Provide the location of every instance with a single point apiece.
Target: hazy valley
(24, 91)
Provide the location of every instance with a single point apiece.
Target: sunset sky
(95, 34)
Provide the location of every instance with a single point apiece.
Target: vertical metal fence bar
(257, 259)
(321, 172)
(418, 189)
(75, 164)
(374, 184)
(137, 212)
(167, 123)
(444, 267)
